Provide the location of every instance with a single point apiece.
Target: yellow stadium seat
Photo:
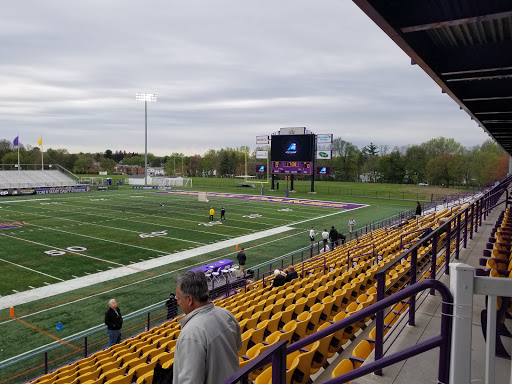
(322, 353)
(141, 369)
(328, 302)
(361, 353)
(314, 322)
(147, 378)
(302, 373)
(343, 367)
(121, 380)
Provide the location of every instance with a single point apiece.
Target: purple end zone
(14, 224)
(282, 200)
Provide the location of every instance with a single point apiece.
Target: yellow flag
(40, 141)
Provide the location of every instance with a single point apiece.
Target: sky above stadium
(224, 71)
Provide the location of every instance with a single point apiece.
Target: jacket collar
(202, 309)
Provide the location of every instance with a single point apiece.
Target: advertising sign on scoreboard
(321, 170)
(324, 155)
(324, 138)
(261, 168)
(261, 154)
(293, 131)
(262, 140)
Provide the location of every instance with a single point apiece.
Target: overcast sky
(224, 71)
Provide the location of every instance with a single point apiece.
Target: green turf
(96, 221)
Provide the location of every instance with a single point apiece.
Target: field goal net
(172, 182)
(202, 196)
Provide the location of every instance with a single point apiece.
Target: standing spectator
(312, 235)
(279, 279)
(223, 214)
(291, 273)
(333, 235)
(114, 323)
(325, 237)
(208, 344)
(241, 260)
(172, 306)
(418, 209)
(212, 212)
(341, 238)
(351, 224)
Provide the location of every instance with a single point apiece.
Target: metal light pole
(145, 97)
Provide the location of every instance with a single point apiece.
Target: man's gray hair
(194, 284)
(111, 301)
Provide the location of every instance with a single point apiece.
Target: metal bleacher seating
(35, 179)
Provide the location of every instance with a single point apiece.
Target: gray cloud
(224, 71)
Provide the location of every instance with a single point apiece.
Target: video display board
(261, 168)
(323, 170)
(292, 147)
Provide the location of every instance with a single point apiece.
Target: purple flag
(15, 142)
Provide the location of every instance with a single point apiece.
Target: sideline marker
(11, 311)
(236, 248)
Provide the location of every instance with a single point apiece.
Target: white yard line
(30, 269)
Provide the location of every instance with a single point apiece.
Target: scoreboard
(292, 167)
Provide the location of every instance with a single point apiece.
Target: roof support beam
(448, 23)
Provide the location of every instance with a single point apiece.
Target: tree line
(439, 161)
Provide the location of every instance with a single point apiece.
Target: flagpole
(18, 152)
(42, 163)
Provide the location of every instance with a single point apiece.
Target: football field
(63, 257)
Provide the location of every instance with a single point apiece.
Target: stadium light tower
(145, 97)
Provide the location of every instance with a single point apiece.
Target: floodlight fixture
(145, 97)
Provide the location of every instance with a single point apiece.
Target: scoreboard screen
(292, 167)
(292, 148)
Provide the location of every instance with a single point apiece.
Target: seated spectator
(279, 279)
(325, 249)
(427, 232)
(291, 273)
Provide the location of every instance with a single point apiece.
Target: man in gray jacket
(207, 347)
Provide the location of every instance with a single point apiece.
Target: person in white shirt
(312, 235)
(325, 237)
(351, 224)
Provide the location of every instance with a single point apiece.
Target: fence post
(45, 363)
(279, 365)
(412, 299)
(472, 221)
(448, 248)
(457, 241)
(149, 321)
(461, 286)
(466, 227)
(434, 260)
(379, 326)
(85, 346)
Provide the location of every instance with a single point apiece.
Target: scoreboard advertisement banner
(292, 167)
(323, 170)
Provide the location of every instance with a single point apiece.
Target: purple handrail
(442, 341)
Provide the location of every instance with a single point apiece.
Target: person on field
(114, 323)
(223, 214)
(351, 225)
(241, 260)
(333, 236)
(325, 237)
(418, 209)
(312, 235)
(207, 346)
(212, 212)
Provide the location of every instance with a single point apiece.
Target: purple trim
(283, 200)
(14, 224)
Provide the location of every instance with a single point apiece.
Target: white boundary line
(33, 270)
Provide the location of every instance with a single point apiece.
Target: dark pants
(211, 217)
(223, 216)
(114, 336)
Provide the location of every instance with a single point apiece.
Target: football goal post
(202, 196)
